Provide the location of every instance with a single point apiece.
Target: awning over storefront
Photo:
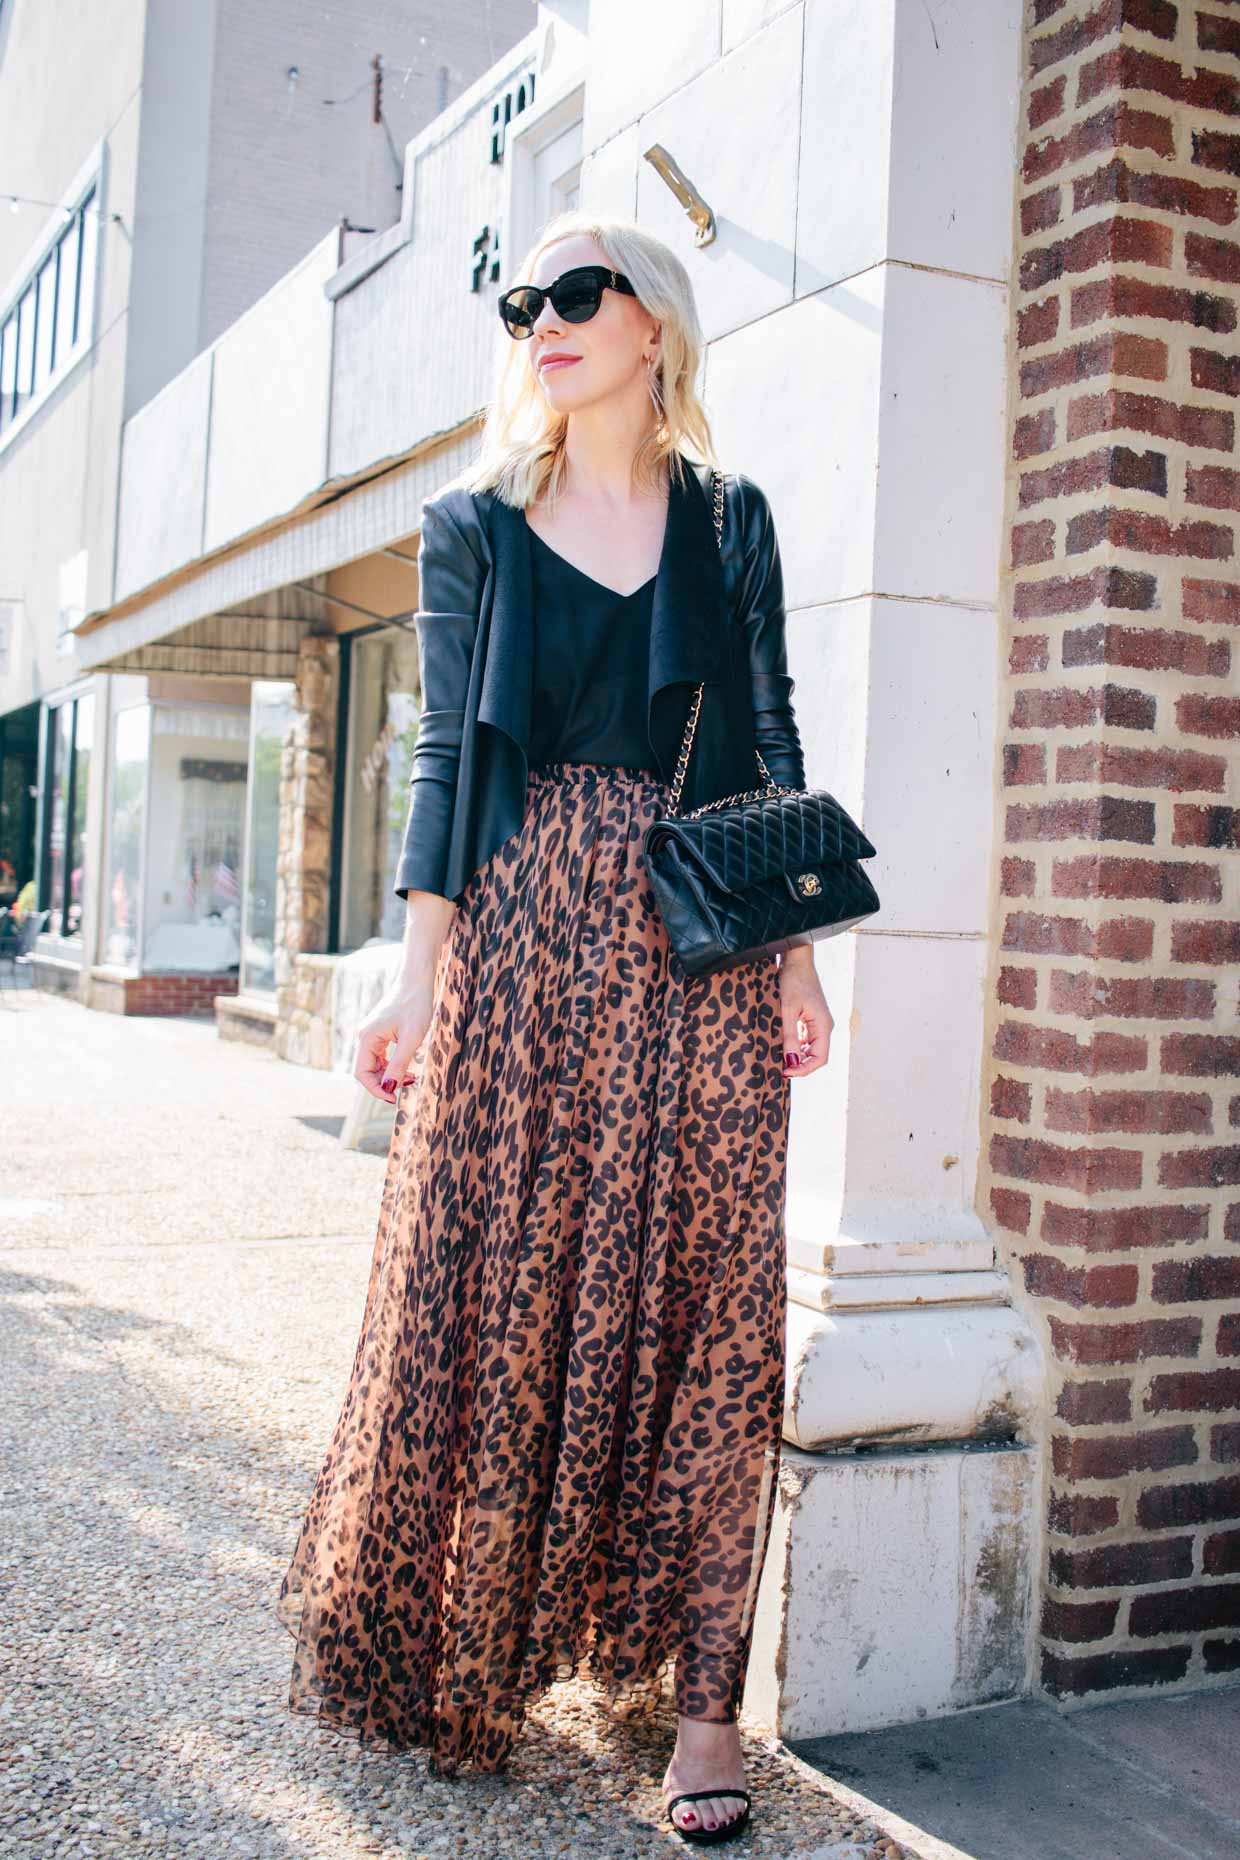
(240, 612)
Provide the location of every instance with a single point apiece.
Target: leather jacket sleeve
(450, 578)
(760, 612)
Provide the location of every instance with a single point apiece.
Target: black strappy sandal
(704, 1836)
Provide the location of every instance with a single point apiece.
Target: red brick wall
(177, 994)
(1113, 1121)
(160, 994)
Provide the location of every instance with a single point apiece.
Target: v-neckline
(592, 579)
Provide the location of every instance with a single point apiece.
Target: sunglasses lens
(519, 309)
(577, 297)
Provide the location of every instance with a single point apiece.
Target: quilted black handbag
(757, 872)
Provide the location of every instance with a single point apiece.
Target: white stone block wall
(856, 301)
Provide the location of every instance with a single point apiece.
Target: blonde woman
(558, 1445)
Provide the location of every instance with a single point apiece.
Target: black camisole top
(591, 666)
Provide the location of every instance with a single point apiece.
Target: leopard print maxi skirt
(558, 1445)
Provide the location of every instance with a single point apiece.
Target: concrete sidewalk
(184, 1254)
(184, 1250)
(1145, 1779)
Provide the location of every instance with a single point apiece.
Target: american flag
(226, 881)
(191, 883)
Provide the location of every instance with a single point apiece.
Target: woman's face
(609, 351)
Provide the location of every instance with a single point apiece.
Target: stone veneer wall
(303, 866)
(1114, 1040)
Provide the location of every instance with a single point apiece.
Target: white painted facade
(860, 164)
(232, 151)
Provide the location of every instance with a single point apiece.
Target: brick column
(1114, 1111)
(303, 864)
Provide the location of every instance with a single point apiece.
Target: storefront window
(126, 818)
(192, 919)
(61, 722)
(83, 746)
(71, 739)
(19, 784)
(271, 714)
(383, 717)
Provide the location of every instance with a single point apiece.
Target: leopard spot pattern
(558, 1444)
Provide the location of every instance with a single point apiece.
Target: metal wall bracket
(685, 192)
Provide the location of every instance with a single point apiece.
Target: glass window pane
(199, 762)
(25, 349)
(131, 739)
(61, 721)
(84, 736)
(383, 718)
(89, 233)
(45, 321)
(271, 716)
(19, 777)
(66, 288)
(8, 369)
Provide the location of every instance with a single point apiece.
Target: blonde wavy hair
(521, 454)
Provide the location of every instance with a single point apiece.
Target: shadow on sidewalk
(1137, 1779)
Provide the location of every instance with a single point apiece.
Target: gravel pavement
(183, 1258)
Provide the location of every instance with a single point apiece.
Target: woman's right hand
(403, 1016)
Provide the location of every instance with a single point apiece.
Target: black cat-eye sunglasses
(575, 295)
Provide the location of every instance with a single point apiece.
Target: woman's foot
(707, 1756)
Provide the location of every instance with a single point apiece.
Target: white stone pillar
(871, 408)
(859, 162)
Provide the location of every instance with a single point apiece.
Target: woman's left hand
(806, 1016)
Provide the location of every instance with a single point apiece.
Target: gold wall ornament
(685, 192)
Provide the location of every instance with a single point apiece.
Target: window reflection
(71, 737)
(383, 717)
(271, 715)
(83, 746)
(67, 289)
(126, 811)
(61, 721)
(192, 918)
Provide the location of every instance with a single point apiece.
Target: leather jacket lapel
(506, 696)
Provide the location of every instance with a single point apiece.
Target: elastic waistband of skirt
(592, 772)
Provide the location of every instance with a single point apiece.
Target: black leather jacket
(717, 616)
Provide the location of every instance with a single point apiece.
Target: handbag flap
(757, 840)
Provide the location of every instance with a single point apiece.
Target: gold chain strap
(682, 761)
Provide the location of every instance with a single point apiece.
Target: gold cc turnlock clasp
(809, 884)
